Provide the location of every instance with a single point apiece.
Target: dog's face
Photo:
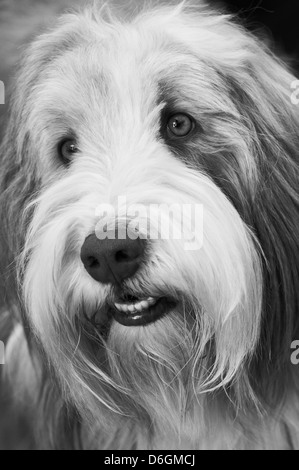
(160, 111)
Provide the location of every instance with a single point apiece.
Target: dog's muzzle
(112, 261)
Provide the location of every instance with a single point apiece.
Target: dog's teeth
(144, 304)
(137, 306)
(151, 300)
(119, 306)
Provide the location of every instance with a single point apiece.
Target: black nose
(111, 261)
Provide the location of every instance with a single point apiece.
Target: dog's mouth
(129, 310)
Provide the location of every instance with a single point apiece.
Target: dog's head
(176, 117)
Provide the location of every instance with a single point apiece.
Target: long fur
(216, 371)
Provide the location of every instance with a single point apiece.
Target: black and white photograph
(149, 227)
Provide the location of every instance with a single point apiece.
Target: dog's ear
(261, 90)
(18, 182)
(19, 178)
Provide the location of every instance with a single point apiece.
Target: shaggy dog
(136, 341)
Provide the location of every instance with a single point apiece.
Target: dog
(135, 341)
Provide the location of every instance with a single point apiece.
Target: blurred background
(19, 22)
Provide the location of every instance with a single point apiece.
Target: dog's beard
(157, 373)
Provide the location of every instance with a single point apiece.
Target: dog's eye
(179, 125)
(66, 149)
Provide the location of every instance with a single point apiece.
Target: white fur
(152, 391)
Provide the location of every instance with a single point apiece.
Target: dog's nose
(112, 261)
